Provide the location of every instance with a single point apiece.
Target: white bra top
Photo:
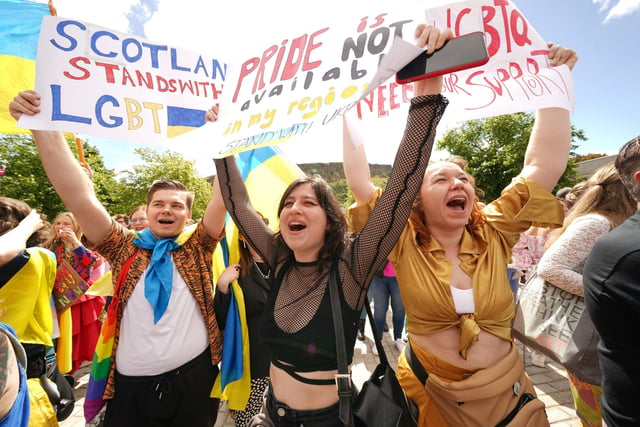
(463, 300)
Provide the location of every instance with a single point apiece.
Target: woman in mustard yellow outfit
(451, 263)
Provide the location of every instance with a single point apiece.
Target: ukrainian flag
(181, 120)
(267, 173)
(19, 32)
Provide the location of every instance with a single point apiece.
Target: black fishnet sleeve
(382, 230)
(236, 200)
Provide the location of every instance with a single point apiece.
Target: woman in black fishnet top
(297, 324)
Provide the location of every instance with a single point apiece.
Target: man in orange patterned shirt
(167, 341)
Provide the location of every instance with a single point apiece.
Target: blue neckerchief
(157, 283)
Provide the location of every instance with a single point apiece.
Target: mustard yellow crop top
(424, 279)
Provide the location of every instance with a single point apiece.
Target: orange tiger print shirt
(193, 261)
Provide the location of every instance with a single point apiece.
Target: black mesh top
(297, 323)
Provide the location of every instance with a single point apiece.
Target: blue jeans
(381, 289)
(513, 283)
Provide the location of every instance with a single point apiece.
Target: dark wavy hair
(336, 234)
(13, 211)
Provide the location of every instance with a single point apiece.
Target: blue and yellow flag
(19, 32)
(181, 120)
(267, 173)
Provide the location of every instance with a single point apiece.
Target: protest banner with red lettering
(95, 81)
(309, 80)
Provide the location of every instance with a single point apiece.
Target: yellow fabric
(42, 413)
(25, 298)
(64, 345)
(16, 74)
(424, 279)
(237, 392)
(462, 381)
(103, 287)
(429, 414)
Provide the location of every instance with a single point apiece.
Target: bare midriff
(302, 396)
(487, 351)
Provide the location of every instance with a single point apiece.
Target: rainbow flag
(100, 365)
(267, 172)
(19, 32)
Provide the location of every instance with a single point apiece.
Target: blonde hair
(604, 194)
(54, 241)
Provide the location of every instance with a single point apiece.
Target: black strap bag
(381, 402)
(42, 364)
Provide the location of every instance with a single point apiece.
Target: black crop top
(297, 323)
(313, 346)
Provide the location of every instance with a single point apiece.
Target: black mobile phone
(459, 53)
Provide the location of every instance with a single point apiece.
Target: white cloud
(621, 9)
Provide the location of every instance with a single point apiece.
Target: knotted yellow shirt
(424, 277)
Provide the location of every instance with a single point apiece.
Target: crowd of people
(450, 263)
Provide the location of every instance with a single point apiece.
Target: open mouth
(457, 203)
(165, 221)
(296, 226)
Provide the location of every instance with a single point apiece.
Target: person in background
(122, 219)
(166, 342)
(312, 244)
(451, 262)
(27, 274)
(605, 204)
(66, 242)
(575, 193)
(253, 276)
(612, 295)
(138, 218)
(384, 287)
(525, 257)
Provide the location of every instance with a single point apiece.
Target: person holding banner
(161, 342)
(312, 242)
(451, 261)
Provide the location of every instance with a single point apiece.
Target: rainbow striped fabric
(19, 32)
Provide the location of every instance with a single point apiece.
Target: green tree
(26, 180)
(133, 185)
(495, 148)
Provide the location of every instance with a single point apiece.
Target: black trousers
(174, 399)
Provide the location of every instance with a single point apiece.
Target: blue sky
(604, 33)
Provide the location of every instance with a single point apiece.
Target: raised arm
(236, 199)
(550, 142)
(215, 213)
(65, 173)
(14, 241)
(387, 220)
(355, 164)
(356, 167)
